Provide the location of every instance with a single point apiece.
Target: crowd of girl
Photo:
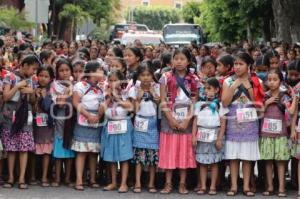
(155, 109)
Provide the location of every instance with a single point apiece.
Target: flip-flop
(8, 185)
(268, 193)
(79, 187)
(137, 190)
(55, 184)
(22, 186)
(201, 192)
(107, 188)
(248, 193)
(94, 185)
(152, 190)
(231, 193)
(123, 191)
(45, 184)
(282, 194)
(212, 192)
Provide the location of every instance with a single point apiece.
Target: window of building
(178, 5)
(145, 2)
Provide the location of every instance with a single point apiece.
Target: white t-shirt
(90, 100)
(205, 117)
(116, 111)
(147, 108)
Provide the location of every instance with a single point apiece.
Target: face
(274, 63)
(72, 49)
(221, 69)
(30, 69)
(94, 53)
(195, 52)
(114, 82)
(291, 55)
(273, 81)
(146, 78)
(240, 67)
(116, 65)
(211, 91)
(203, 52)
(148, 53)
(256, 54)
(64, 72)
(103, 51)
(44, 78)
(50, 60)
(180, 62)
(97, 76)
(130, 58)
(293, 77)
(209, 69)
(78, 72)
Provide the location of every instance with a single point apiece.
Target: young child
(178, 91)
(208, 134)
(261, 69)
(274, 133)
(78, 70)
(116, 138)
(61, 92)
(43, 129)
(145, 95)
(242, 92)
(293, 73)
(87, 97)
(224, 67)
(17, 133)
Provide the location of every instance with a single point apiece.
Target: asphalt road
(36, 192)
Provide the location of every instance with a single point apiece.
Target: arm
(228, 92)
(293, 125)
(76, 103)
(292, 108)
(221, 134)
(194, 131)
(9, 92)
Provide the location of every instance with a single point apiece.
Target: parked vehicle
(118, 30)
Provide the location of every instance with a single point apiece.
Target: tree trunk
(294, 8)
(266, 29)
(249, 33)
(282, 20)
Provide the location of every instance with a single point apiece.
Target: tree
(190, 11)
(13, 19)
(155, 17)
(75, 14)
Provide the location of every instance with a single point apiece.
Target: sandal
(94, 185)
(298, 196)
(45, 184)
(8, 185)
(212, 192)
(231, 193)
(182, 189)
(33, 182)
(268, 193)
(167, 189)
(123, 190)
(22, 186)
(281, 194)
(55, 184)
(110, 187)
(137, 190)
(152, 190)
(196, 189)
(79, 187)
(248, 193)
(201, 192)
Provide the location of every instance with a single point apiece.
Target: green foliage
(228, 20)
(13, 19)
(155, 17)
(191, 11)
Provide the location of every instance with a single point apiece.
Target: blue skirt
(118, 147)
(59, 151)
(149, 139)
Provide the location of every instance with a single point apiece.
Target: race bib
(246, 115)
(272, 126)
(83, 121)
(117, 127)
(181, 113)
(206, 135)
(41, 119)
(141, 124)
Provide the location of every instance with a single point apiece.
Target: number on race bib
(141, 124)
(41, 119)
(272, 126)
(246, 114)
(117, 127)
(181, 113)
(207, 135)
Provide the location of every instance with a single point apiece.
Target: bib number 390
(181, 113)
(117, 127)
(246, 115)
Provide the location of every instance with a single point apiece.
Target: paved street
(64, 193)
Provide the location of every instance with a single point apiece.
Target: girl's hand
(21, 84)
(43, 92)
(272, 100)
(173, 124)
(294, 137)
(194, 140)
(38, 92)
(153, 93)
(219, 144)
(27, 90)
(184, 125)
(140, 94)
(93, 119)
